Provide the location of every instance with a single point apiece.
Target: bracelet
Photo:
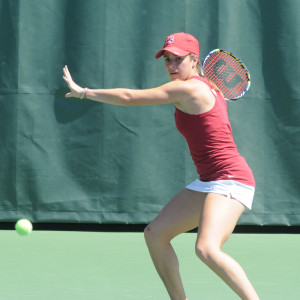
(84, 94)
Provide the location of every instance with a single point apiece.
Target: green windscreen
(82, 161)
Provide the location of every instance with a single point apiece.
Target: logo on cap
(170, 40)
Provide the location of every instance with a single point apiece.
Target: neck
(195, 74)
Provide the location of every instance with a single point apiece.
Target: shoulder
(187, 88)
(197, 97)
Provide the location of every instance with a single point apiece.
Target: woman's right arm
(172, 92)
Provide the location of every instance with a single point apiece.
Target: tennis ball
(23, 227)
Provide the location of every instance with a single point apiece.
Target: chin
(174, 76)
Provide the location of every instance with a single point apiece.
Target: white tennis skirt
(241, 192)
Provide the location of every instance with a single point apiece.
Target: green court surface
(60, 265)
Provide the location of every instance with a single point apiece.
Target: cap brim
(159, 54)
(174, 50)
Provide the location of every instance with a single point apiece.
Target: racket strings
(228, 73)
(227, 70)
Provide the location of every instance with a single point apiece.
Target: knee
(206, 253)
(155, 235)
(150, 234)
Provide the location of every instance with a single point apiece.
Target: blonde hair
(201, 73)
(199, 65)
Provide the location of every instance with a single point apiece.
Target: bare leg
(217, 221)
(179, 215)
(218, 216)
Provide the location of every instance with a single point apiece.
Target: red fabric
(213, 150)
(180, 44)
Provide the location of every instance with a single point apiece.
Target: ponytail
(201, 73)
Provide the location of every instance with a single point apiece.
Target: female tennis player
(225, 188)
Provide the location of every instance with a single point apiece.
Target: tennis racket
(227, 72)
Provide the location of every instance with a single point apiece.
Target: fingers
(75, 90)
(67, 78)
(67, 73)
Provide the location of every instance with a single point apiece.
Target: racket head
(227, 72)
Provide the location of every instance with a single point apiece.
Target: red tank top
(210, 141)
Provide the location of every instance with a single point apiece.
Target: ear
(195, 61)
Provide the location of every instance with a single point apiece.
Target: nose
(172, 65)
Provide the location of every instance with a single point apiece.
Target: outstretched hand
(75, 90)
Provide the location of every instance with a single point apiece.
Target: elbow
(128, 98)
